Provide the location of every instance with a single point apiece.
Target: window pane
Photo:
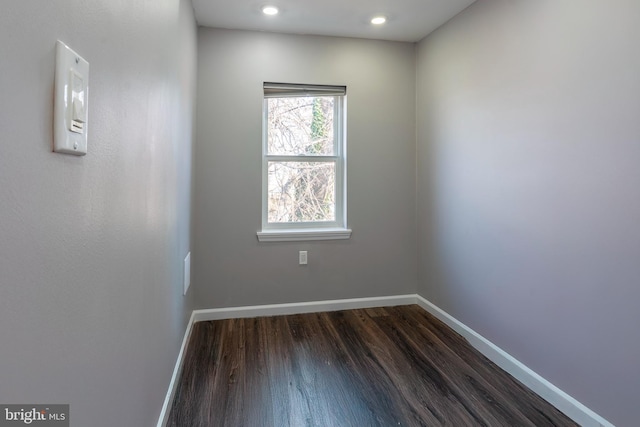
(300, 126)
(301, 192)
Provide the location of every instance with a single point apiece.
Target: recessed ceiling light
(270, 10)
(378, 20)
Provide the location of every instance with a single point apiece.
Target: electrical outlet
(302, 257)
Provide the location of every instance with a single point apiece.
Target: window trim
(301, 231)
(304, 234)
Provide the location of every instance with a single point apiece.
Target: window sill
(304, 234)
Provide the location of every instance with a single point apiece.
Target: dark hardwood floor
(394, 366)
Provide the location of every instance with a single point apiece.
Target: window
(303, 163)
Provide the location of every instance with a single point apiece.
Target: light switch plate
(187, 273)
(71, 102)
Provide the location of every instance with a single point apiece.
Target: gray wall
(230, 267)
(91, 249)
(529, 203)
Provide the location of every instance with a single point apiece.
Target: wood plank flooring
(393, 366)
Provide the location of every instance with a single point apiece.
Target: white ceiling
(407, 20)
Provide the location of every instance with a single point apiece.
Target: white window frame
(304, 231)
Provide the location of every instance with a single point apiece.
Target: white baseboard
(302, 307)
(168, 400)
(552, 394)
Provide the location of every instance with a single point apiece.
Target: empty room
(341, 213)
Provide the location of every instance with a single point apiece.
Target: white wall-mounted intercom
(71, 102)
